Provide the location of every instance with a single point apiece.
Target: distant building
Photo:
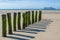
(49, 8)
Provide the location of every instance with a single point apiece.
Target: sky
(29, 4)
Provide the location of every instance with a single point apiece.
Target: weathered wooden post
(32, 17)
(14, 21)
(4, 25)
(40, 15)
(36, 17)
(24, 20)
(19, 20)
(28, 17)
(9, 23)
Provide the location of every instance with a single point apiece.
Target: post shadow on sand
(40, 25)
(16, 38)
(24, 31)
(35, 30)
(23, 35)
(44, 22)
(12, 37)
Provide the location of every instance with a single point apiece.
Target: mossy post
(4, 25)
(32, 17)
(36, 17)
(28, 17)
(9, 23)
(19, 20)
(24, 24)
(40, 15)
(14, 21)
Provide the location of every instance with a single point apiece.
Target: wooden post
(40, 15)
(24, 24)
(25, 19)
(19, 20)
(14, 21)
(9, 23)
(4, 25)
(28, 17)
(36, 17)
(32, 17)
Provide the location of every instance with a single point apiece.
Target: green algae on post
(14, 21)
(19, 20)
(28, 17)
(4, 25)
(9, 23)
(24, 20)
(36, 17)
(32, 17)
(40, 12)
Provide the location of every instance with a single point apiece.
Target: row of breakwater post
(20, 21)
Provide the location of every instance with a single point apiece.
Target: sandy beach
(47, 29)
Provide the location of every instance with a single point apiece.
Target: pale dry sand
(53, 30)
(50, 24)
